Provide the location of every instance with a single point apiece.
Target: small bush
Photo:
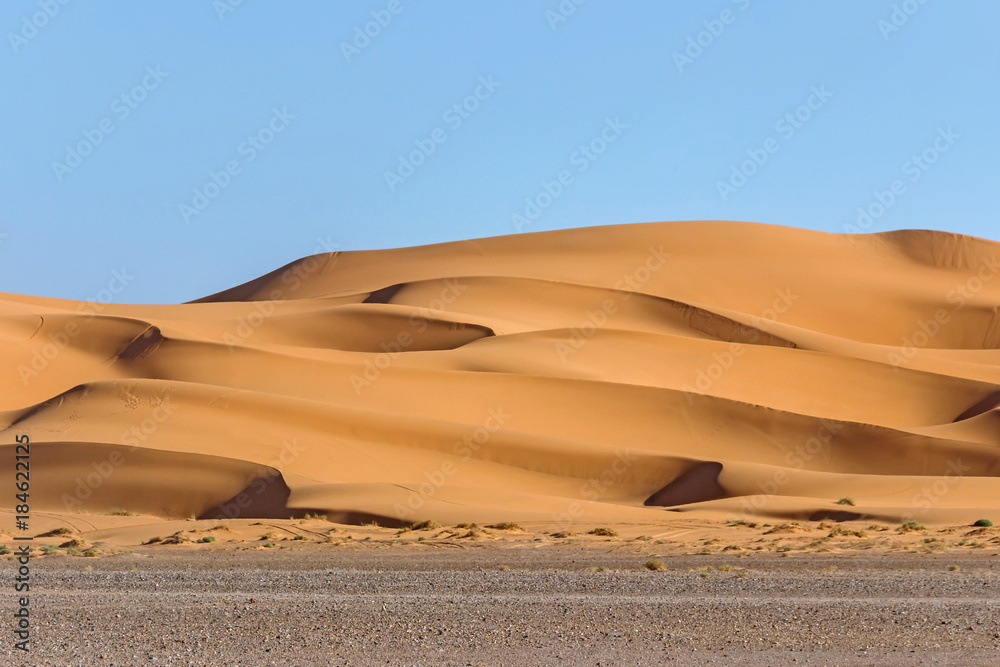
(655, 564)
(49, 549)
(953, 568)
(222, 528)
(846, 500)
(429, 524)
(562, 534)
(299, 537)
(56, 531)
(90, 553)
(269, 535)
(268, 545)
(207, 538)
(603, 532)
(911, 526)
(4, 550)
(506, 525)
(467, 526)
(983, 523)
(120, 511)
(153, 540)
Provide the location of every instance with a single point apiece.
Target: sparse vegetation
(207, 538)
(603, 532)
(655, 564)
(506, 525)
(90, 553)
(299, 537)
(4, 550)
(983, 523)
(268, 545)
(50, 549)
(467, 526)
(740, 522)
(911, 526)
(953, 568)
(562, 534)
(153, 540)
(56, 531)
(269, 535)
(429, 524)
(120, 511)
(504, 568)
(222, 528)
(846, 500)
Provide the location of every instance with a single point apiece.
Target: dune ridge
(617, 374)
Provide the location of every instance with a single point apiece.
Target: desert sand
(689, 442)
(631, 375)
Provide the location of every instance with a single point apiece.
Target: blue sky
(193, 145)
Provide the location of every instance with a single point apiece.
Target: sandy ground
(510, 603)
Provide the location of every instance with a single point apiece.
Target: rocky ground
(507, 604)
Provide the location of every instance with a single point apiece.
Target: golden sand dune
(608, 374)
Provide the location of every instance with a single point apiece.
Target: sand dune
(613, 375)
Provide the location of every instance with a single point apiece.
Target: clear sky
(190, 146)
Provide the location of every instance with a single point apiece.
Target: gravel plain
(496, 605)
